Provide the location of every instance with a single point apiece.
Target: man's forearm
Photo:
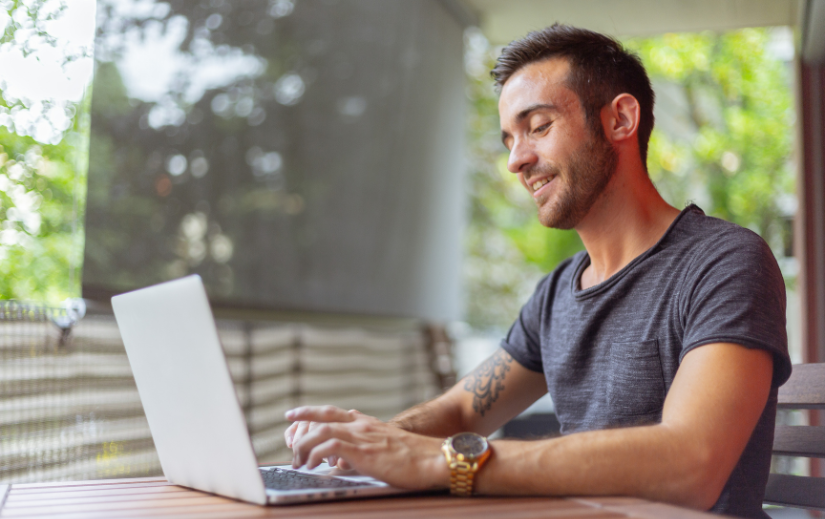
(709, 414)
(652, 462)
(438, 417)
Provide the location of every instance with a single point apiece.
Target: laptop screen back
(186, 390)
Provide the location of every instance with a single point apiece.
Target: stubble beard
(584, 179)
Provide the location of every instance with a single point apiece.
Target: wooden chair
(804, 390)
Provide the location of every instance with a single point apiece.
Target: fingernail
(289, 414)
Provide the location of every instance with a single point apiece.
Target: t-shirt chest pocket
(635, 381)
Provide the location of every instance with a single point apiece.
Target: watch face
(471, 445)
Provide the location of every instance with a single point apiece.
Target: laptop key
(279, 479)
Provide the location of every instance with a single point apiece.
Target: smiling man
(662, 344)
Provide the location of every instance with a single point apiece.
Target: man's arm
(496, 391)
(716, 399)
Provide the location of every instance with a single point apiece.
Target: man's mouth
(540, 183)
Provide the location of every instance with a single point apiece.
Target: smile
(540, 183)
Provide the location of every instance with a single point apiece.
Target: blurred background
(333, 171)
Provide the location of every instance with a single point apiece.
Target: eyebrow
(527, 111)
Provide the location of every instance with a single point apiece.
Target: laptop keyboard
(279, 479)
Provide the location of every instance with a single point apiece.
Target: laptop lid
(186, 390)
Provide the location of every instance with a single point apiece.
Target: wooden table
(155, 497)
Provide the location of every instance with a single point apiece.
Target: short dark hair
(600, 70)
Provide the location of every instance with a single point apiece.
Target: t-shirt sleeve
(523, 340)
(734, 292)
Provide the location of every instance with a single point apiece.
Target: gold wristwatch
(465, 453)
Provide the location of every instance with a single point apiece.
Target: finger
(289, 434)
(304, 445)
(300, 432)
(343, 465)
(333, 446)
(325, 413)
(332, 461)
(319, 435)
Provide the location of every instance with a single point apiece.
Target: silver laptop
(192, 409)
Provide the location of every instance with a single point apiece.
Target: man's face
(556, 156)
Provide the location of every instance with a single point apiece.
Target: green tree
(734, 155)
(42, 184)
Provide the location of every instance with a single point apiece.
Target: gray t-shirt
(610, 352)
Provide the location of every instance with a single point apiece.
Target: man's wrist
(441, 469)
(398, 423)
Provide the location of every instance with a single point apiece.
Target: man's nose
(522, 157)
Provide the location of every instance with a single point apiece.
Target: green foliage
(29, 16)
(735, 157)
(40, 253)
(727, 148)
(42, 187)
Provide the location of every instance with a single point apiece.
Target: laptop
(193, 411)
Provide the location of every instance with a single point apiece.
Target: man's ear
(621, 118)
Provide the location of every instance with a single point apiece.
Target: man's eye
(541, 128)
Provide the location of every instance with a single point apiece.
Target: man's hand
(298, 430)
(368, 445)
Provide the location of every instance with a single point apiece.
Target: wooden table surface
(155, 497)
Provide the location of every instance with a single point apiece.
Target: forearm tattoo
(487, 381)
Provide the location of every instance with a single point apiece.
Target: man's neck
(628, 219)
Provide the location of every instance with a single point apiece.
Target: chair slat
(796, 491)
(805, 389)
(799, 441)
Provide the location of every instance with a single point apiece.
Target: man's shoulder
(713, 248)
(710, 236)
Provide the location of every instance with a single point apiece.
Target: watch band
(461, 478)
(462, 471)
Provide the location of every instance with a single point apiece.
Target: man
(662, 345)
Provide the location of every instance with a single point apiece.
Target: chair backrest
(804, 390)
